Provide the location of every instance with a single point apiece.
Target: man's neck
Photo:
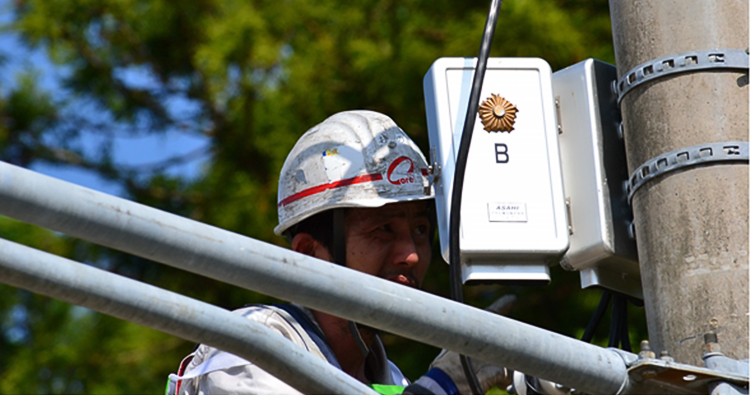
(342, 343)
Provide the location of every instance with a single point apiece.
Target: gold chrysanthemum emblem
(497, 114)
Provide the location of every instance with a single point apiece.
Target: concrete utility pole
(692, 224)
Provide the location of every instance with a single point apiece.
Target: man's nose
(406, 252)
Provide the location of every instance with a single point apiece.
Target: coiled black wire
(458, 180)
(588, 335)
(621, 305)
(618, 328)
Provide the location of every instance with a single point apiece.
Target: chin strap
(339, 257)
(358, 338)
(338, 241)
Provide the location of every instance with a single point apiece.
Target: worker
(354, 191)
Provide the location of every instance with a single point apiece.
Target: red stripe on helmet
(330, 185)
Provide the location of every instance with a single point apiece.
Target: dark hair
(319, 226)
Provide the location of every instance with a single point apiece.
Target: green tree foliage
(251, 77)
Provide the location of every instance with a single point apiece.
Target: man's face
(391, 242)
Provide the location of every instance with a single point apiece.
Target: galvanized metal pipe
(272, 270)
(172, 313)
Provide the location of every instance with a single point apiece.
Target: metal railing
(275, 271)
(172, 313)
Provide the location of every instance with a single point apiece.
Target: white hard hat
(352, 159)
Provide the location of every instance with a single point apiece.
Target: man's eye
(385, 228)
(421, 230)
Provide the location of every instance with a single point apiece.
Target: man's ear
(304, 243)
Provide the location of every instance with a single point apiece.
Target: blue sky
(136, 151)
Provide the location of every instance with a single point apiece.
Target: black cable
(624, 335)
(618, 329)
(588, 334)
(616, 323)
(458, 176)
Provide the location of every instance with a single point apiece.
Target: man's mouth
(403, 279)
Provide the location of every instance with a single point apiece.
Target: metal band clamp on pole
(730, 151)
(234, 259)
(680, 63)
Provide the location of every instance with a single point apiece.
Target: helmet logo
(401, 171)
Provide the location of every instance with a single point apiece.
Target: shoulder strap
(173, 382)
(312, 330)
